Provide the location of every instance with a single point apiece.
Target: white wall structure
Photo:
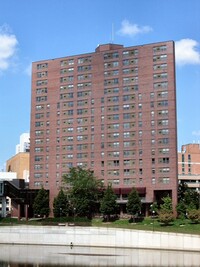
(98, 237)
(8, 176)
(5, 202)
(24, 144)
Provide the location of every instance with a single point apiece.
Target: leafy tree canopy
(109, 205)
(167, 204)
(187, 197)
(41, 203)
(166, 211)
(134, 204)
(154, 207)
(191, 199)
(85, 191)
(61, 205)
(182, 188)
(181, 208)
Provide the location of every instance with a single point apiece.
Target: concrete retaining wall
(100, 237)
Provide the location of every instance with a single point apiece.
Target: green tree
(108, 204)
(84, 191)
(134, 204)
(187, 198)
(41, 203)
(181, 209)
(154, 208)
(60, 205)
(167, 204)
(191, 199)
(182, 188)
(166, 211)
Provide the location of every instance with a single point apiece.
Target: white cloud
(196, 133)
(8, 44)
(186, 52)
(133, 29)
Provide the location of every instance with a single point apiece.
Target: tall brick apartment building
(112, 111)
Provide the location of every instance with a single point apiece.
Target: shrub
(194, 215)
(166, 217)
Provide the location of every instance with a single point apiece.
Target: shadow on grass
(136, 219)
(111, 218)
(166, 224)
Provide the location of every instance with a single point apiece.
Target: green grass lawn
(148, 224)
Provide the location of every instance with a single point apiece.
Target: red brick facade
(189, 165)
(113, 111)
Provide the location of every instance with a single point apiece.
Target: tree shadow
(110, 218)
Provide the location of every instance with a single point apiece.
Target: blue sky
(32, 30)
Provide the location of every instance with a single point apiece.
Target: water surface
(66, 256)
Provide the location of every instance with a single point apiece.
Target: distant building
(24, 145)
(189, 165)
(19, 164)
(17, 169)
(112, 111)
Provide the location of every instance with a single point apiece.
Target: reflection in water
(46, 256)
